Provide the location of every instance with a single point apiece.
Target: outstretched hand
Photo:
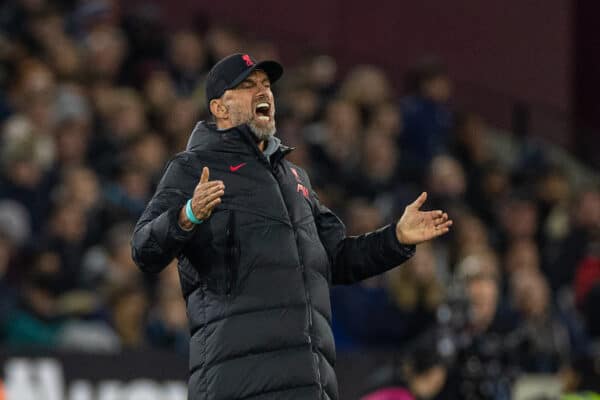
(416, 226)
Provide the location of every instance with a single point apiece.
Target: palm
(416, 226)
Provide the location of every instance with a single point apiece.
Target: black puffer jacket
(256, 274)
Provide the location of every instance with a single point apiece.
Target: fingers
(419, 201)
(213, 195)
(207, 195)
(208, 186)
(444, 227)
(439, 217)
(441, 223)
(204, 205)
(205, 175)
(213, 204)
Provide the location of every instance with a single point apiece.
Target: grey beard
(262, 133)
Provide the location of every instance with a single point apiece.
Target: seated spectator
(519, 219)
(321, 73)
(377, 179)
(579, 244)
(36, 319)
(421, 375)
(74, 128)
(367, 88)
(47, 30)
(183, 115)
(446, 184)
(187, 61)
(522, 256)
(332, 146)
(167, 320)
(471, 147)
(469, 142)
(483, 353)
(416, 289)
(105, 48)
(386, 120)
(587, 292)
(33, 98)
(24, 171)
(128, 306)
(159, 94)
(127, 195)
(223, 40)
(149, 152)
(110, 266)
(470, 237)
(543, 340)
(8, 295)
(66, 234)
(494, 187)
(427, 118)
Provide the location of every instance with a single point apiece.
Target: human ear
(218, 109)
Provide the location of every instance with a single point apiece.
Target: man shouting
(257, 250)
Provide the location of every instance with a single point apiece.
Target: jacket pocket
(232, 255)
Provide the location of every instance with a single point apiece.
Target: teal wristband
(190, 213)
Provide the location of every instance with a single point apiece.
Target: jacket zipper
(231, 255)
(273, 169)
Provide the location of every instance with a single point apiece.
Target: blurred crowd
(95, 100)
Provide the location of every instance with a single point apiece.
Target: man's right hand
(206, 197)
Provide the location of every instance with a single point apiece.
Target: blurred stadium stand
(491, 108)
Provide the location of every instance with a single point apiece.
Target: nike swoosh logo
(234, 168)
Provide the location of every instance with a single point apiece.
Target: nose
(263, 88)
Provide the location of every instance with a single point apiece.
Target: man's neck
(261, 145)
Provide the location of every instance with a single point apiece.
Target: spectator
(367, 88)
(24, 171)
(332, 145)
(579, 244)
(105, 48)
(420, 375)
(167, 322)
(128, 307)
(378, 176)
(67, 230)
(417, 290)
(484, 355)
(36, 320)
(159, 93)
(187, 57)
(8, 294)
(425, 112)
(544, 345)
(447, 183)
(587, 292)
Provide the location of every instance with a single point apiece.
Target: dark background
(500, 65)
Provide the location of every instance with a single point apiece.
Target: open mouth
(263, 111)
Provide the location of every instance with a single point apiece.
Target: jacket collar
(238, 139)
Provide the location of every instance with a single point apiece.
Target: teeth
(263, 118)
(262, 105)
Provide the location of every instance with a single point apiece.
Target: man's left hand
(416, 226)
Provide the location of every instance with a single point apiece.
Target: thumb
(419, 201)
(205, 174)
